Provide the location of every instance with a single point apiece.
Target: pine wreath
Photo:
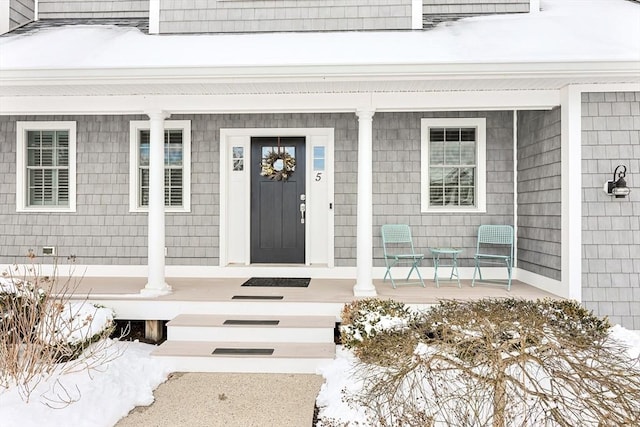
(270, 171)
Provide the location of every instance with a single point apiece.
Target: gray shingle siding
(436, 11)
(56, 9)
(180, 16)
(103, 231)
(20, 12)
(539, 198)
(611, 227)
(396, 183)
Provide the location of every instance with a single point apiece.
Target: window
(453, 165)
(46, 166)
(177, 165)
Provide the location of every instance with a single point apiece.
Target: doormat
(258, 297)
(252, 322)
(279, 282)
(244, 351)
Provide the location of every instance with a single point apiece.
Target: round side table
(436, 253)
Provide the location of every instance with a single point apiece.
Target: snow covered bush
(41, 329)
(71, 327)
(19, 299)
(498, 362)
(363, 319)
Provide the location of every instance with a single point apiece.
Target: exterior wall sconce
(618, 186)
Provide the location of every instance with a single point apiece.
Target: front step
(234, 356)
(208, 327)
(252, 344)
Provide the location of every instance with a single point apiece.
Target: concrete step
(248, 357)
(209, 327)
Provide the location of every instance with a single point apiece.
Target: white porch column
(571, 194)
(156, 280)
(364, 257)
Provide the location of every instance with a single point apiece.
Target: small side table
(436, 253)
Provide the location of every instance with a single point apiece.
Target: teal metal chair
(398, 250)
(495, 246)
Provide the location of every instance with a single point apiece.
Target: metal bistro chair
(398, 250)
(495, 246)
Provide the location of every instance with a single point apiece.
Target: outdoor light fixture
(618, 186)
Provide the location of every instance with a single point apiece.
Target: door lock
(303, 208)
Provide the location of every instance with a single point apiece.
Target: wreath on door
(278, 165)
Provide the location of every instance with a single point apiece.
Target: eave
(304, 88)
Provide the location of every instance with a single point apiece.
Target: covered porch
(321, 297)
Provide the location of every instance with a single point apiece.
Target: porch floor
(318, 291)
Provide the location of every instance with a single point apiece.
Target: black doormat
(279, 282)
(258, 297)
(244, 351)
(252, 322)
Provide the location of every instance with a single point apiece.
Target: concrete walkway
(230, 400)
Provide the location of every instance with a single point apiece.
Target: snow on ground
(338, 376)
(103, 396)
(564, 31)
(106, 395)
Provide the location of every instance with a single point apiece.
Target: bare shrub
(500, 363)
(43, 334)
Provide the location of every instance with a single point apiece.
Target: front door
(277, 192)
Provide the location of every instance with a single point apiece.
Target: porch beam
(156, 283)
(364, 253)
(282, 103)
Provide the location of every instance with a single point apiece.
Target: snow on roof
(564, 31)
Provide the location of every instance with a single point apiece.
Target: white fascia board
(307, 103)
(324, 73)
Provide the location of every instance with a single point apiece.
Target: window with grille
(46, 165)
(453, 169)
(176, 165)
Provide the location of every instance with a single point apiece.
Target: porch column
(156, 280)
(364, 257)
(571, 193)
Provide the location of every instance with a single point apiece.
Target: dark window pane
(452, 134)
(436, 134)
(468, 134)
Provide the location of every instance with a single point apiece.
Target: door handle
(303, 208)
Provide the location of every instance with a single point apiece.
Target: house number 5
(318, 176)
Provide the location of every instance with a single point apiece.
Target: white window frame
(481, 163)
(135, 126)
(22, 204)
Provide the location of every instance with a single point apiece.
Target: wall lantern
(618, 186)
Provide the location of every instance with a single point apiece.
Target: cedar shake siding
(229, 16)
(436, 11)
(20, 12)
(539, 205)
(92, 9)
(397, 187)
(243, 16)
(610, 226)
(103, 231)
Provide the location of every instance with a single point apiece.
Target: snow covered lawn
(101, 397)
